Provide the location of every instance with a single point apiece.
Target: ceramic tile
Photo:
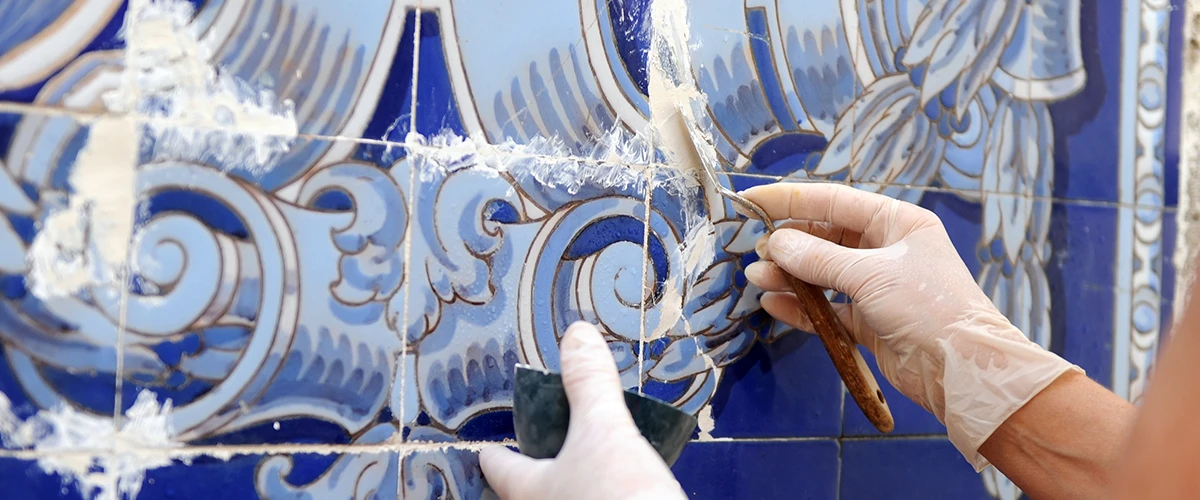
(24, 480)
(304, 475)
(50, 41)
(487, 70)
(1172, 132)
(1142, 273)
(910, 468)
(320, 261)
(786, 388)
(1103, 154)
(378, 286)
(741, 469)
(1169, 277)
(501, 264)
(780, 82)
(57, 348)
(443, 473)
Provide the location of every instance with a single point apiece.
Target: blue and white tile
(530, 72)
(1104, 153)
(59, 350)
(46, 41)
(368, 475)
(426, 311)
(503, 259)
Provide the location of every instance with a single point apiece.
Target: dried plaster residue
(105, 461)
(172, 98)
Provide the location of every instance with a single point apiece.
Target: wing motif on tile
(507, 260)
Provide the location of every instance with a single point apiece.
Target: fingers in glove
(509, 473)
(768, 276)
(785, 307)
(591, 380)
(823, 230)
(818, 261)
(871, 214)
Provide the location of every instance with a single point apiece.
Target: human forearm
(1065, 441)
(1164, 451)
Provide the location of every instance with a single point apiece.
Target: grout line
(227, 451)
(901, 437)
(646, 287)
(1073, 201)
(87, 116)
(412, 195)
(837, 481)
(125, 275)
(408, 232)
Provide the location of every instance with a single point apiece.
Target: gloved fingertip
(489, 455)
(762, 247)
(754, 272)
(582, 335)
(783, 243)
(506, 471)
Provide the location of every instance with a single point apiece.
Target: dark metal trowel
(541, 415)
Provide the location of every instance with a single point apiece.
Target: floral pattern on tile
(352, 221)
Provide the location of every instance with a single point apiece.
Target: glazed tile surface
(294, 248)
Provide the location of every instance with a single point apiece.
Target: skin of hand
(935, 335)
(604, 456)
(1164, 453)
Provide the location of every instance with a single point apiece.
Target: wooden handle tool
(844, 352)
(838, 342)
(840, 345)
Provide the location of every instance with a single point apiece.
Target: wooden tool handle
(846, 358)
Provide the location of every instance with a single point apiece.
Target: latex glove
(604, 456)
(936, 336)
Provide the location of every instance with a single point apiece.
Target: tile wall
(294, 248)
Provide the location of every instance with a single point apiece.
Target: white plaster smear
(187, 109)
(674, 94)
(105, 462)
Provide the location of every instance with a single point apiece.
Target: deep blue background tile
(207, 477)
(1169, 276)
(24, 480)
(752, 470)
(1081, 276)
(392, 118)
(787, 388)
(437, 106)
(910, 417)
(1086, 126)
(1173, 108)
(907, 468)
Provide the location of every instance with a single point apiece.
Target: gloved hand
(604, 456)
(936, 336)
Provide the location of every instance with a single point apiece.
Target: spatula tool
(840, 345)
